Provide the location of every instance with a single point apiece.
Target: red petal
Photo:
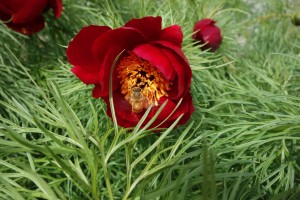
(79, 51)
(183, 75)
(172, 34)
(150, 27)
(85, 76)
(187, 108)
(173, 48)
(166, 111)
(203, 23)
(124, 115)
(5, 12)
(105, 69)
(28, 28)
(56, 5)
(30, 11)
(212, 36)
(125, 38)
(157, 58)
(11, 6)
(183, 62)
(97, 91)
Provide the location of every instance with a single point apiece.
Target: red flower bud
(207, 34)
(25, 16)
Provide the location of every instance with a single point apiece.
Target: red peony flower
(150, 71)
(25, 16)
(208, 34)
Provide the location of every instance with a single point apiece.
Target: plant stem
(94, 183)
(106, 173)
(128, 154)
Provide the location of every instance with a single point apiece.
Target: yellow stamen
(136, 72)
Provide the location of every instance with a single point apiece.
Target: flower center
(141, 83)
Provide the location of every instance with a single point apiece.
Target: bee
(137, 100)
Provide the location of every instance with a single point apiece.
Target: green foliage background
(242, 142)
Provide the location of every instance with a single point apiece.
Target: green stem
(128, 154)
(108, 185)
(106, 174)
(94, 183)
